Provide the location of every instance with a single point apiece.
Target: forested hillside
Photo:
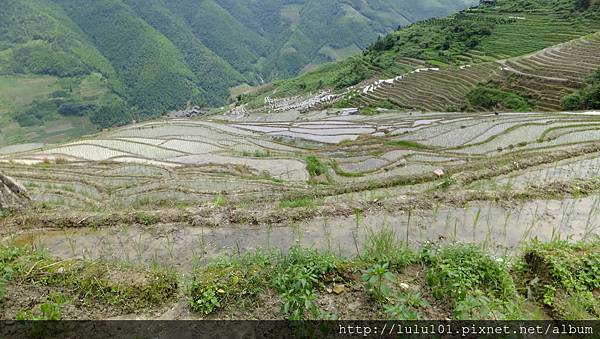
(108, 62)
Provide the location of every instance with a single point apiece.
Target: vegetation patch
(123, 287)
(493, 98)
(302, 202)
(257, 154)
(586, 98)
(460, 281)
(566, 277)
(295, 276)
(318, 171)
(477, 285)
(229, 280)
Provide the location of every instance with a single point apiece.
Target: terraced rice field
(184, 193)
(544, 76)
(203, 160)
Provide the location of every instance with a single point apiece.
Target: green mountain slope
(152, 69)
(214, 75)
(478, 46)
(109, 62)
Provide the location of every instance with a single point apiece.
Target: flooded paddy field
(501, 229)
(193, 163)
(181, 196)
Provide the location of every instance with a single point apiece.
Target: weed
(48, 310)
(379, 281)
(303, 202)
(407, 306)
(385, 247)
(462, 272)
(299, 273)
(45, 317)
(295, 276)
(219, 201)
(315, 167)
(568, 275)
(231, 278)
(123, 287)
(146, 219)
(447, 182)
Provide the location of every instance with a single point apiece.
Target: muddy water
(499, 228)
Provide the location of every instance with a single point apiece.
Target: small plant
(447, 182)
(407, 306)
(48, 310)
(474, 306)
(208, 301)
(401, 312)
(219, 201)
(146, 219)
(299, 273)
(379, 281)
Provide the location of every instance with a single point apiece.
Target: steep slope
(221, 32)
(38, 37)
(70, 67)
(544, 77)
(214, 75)
(537, 50)
(153, 71)
(323, 31)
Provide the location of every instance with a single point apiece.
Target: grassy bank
(558, 280)
(385, 280)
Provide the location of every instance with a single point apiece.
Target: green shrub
(37, 113)
(75, 109)
(572, 101)
(490, 98)
(586, 98)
